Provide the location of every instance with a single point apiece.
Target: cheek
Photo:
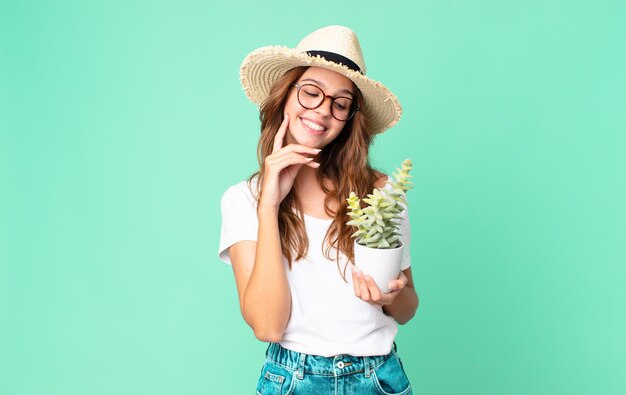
(292, 105)
(292, 123)
(338, 128)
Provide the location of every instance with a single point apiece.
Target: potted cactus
(377, 245)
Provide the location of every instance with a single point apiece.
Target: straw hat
(335, 48)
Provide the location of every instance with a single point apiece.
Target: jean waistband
(325, 366)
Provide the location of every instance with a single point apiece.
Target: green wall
(122, 122)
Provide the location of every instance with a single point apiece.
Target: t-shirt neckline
(317, 218)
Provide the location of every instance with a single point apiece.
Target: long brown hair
(344, 162)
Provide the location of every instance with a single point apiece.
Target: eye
(342, 103)
(311, 92)
(340, 106)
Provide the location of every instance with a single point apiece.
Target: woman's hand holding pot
(366, 289)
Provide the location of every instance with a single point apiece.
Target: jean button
(340, 364)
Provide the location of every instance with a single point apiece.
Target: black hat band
(336, 58)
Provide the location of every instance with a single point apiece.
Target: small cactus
(376, 223)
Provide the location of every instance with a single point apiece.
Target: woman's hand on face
(282, 166)
(366, 289)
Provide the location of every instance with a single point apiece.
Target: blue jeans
(288, 372)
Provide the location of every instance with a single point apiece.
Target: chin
(313, 143)
(303, 138)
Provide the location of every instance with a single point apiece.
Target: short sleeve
(239, 218)
(405, 236)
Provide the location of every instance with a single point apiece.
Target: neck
(306, 179)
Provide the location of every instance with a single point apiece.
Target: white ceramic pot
(380, 263)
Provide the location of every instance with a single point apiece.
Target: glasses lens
(342, 108)
(310, 96)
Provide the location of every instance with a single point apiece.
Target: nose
(323, 108)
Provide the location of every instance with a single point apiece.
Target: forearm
(267, 299)
(404, 305)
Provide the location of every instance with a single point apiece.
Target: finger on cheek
(280, 135)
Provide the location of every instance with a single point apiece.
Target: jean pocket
(275, 380)
(389, 378)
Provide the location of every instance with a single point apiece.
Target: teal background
(122, 122)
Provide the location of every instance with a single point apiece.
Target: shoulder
(241, 192)
(382, 184)
(381, 179)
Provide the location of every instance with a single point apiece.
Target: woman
(284, 229)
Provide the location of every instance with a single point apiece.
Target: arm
(264, 294)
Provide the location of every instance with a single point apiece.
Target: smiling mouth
(314, 127)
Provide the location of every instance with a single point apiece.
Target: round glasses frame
(353, 110)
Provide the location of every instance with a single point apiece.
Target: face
(316, 127)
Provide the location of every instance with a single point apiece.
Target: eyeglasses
(312, 96)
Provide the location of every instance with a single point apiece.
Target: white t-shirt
(326, 319)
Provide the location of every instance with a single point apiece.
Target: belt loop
(301, 366)
(367, 366)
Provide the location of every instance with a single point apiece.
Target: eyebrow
(324, 86)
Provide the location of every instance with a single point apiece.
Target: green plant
(376, 224)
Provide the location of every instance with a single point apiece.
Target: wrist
(268, 210)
